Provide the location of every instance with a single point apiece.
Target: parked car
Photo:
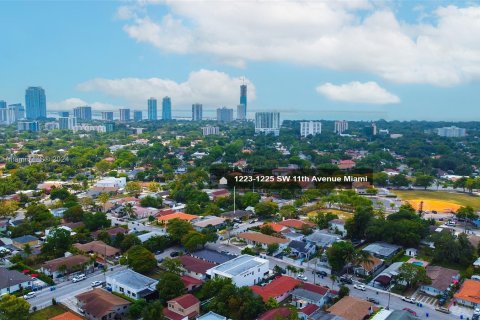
(442, 309)
(96, 284)
(409, 299)
(174, 254)
(322, 273)
(78, 278)
(442, 301)
(302, 277)
(373, 300)
(359, 287)
(410, 311)
(346, 280)
(29, 295)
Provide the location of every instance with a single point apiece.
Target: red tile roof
(275, 226)
(276, 288)
(314, 288)
(67, 316)
(196, 265)
(261, 238)
(187, 280)
(277, 313)
(309, 309)
(178, 215)
(295, 223)
(470, 291)
(186, 301)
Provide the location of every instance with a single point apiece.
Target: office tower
(32, 126)
(83, 113)
(209, 130)
(241, 112)
(374, 129)
(310, 128)
(107, 115)
(243, 95)
(67, 123)
(152, 109)
(110, 127)
(197, 112)
(3, 104)
(64, 114)
(49, 126)
(36, 103)
(19, 110)
(224, 114)
(166, 108)
(137, 115)
(451, 132)
(124, 115)
(267, 122)
(12, 113)
(3, 110)
(340, 126)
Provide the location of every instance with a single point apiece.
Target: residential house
(244, 270)
(66, 265)
(382, 250)
(67, 316)
(302, 249)
(314, 312)
(209, 222)
(211, 316)
(337, 226)
(275, 227)
(346, 164)
(12, 281)
(183, 307)
(131, 283)
(322, 239)
(98, 247)
(112, 232)
(21, 242)
(292, 235)
(99, 304)
(279, 289)
(194, 267)
(351, 308)
(368, 268)
(257, 238)
(177, 215)
(191, 283)
(469, 294)
(111, 182)
(237, 214)
(385, 314)
(212, 256)
(441, 278)
(297, 224)
(274, 314)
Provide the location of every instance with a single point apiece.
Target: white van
(475, 277)
(80, 277)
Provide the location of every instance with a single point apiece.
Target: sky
(353, 60)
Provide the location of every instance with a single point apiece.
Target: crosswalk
(425, 299)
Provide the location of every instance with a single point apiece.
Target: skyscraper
(152, 109)
(67, 123)
(166, 108)
(243, 95)
(267, 122)
(83, 113)
(36, 103)
(340, 126)
(124, 115)
(3, 110)
(33, 126)
(107, 115)
(310, 128)
(137, 115)
(64, 114)
(197, 112)
(241, 112)
(3, 104)
(224, 114)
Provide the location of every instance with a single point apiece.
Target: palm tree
(362, 258)
(334, 278)
(128, 210)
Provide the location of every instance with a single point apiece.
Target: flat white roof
(239, 265)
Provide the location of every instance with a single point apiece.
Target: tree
(272, 248)
(74, 214)
(193, 240)
(135, 309)
(8, 208)
(413, 275)
(128, 210)
(59, 193)
(57, 243)
(157, 243)
(129, 241)
(154, 186)
(250, 199)
(266, 209)
(27, 249)
(103, 198)
(177, 228)
(321, 219)
(248, 250)
(140, 259)
(95, 221)
(170, 286)
(338, 254)
(424, 181)
(399, 180)
(133, 187)
(172, 266)
(12, 307)
(357, 225)
(466, 213)
(150, 201)
(153, 311)
(288, 212)
(267, 229)
(343, 292)
(103, 166)
(271, 303)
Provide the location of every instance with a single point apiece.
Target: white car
(96, 284)
(359, 287)
(78, 278)
(302, 277)
(29, 295)
(409, 299)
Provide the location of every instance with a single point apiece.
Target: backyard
(438, 200)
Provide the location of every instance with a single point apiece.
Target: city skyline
(427, 70)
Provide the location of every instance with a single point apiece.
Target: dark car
(174, 254)
(322, 273)
(373, 300)
(442, 301)
(346, 280)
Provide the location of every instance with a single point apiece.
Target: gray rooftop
(11, 278)
(309, 295)
(212, 256)
(322, 239)
(25, 239)
(381, 248)
(133, 279)
(240, 264)
(212, 316)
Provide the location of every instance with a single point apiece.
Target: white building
(310, 128)
(131, 283)
(451, 132)
(341, 126)
(11, 281)
(241, 112)
(210, 130)
(111, 182)
(85, 127)
(67, 123)
(267, 122)
(245, 270)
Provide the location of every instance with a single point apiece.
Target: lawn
(438, 200)
(341, 214)
(48, 312)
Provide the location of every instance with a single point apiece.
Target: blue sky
(310, 59)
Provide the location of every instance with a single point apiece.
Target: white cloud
(204, 86)
(70, 103)
(358, 92)
(341, 35)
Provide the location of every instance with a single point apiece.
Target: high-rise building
(243, 95)
(3, 110)
(67, 123)
(49, 126)
(197, 113)
(10, 115)
(36, 103)
(310, 128)
(166, 108)
(451, 132)
(64, 114)
(340, 126)
(32, 126)
(19, 110)
(124, 115)
(3, 104)
(224, 114)
(267, 122)
(241, 112)
(152, 109)
(210, 130)
(107, 115)
(137, 115)
(109, 126)
(83, 113)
